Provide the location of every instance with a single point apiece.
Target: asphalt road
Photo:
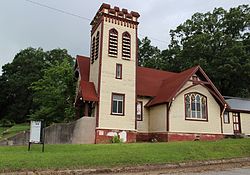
(235, 171)
(245, 170)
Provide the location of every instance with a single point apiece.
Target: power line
(154, 39)
(58, 10)
(81, 17)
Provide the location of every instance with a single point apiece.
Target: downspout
(168, 106)
(168, 109)
(221, 117)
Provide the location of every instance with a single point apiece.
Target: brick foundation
(152, 137)
(212, 137)
(105, 135)
(165, 137)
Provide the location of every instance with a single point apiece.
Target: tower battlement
(115, 15)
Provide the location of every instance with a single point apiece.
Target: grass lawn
(8, 132)
(2, 129)
(16, 158)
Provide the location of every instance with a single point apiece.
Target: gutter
(222, 113)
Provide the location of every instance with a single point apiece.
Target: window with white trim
(226, 117)
(117, 104)
(113, 43)
(126, 45)
(195, 106)
(97, 46)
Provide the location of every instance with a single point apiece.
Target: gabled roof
(88, 91)
(171, 85)
(148, 80)
(83, 64)
(161, 86)
(86, 88)
(173, 82)
(238, 104)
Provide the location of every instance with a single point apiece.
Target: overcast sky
(24, 24)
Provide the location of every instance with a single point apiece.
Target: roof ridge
(83, 56)
(177, 81)
(238, 98)
(192, 68)
(153, 69)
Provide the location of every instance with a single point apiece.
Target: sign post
(37, 133)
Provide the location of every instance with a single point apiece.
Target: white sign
(35, 131)
(123, 136)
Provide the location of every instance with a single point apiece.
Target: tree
(27, 67)
(3, 97)
(149, 56)
(220, 43)
(54, 93)
(15, 80)
(54, 56)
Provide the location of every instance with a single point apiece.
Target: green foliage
(6, 123)
(116, 139)
(2, 130)
(149, 56)
(54, 93)
(16, 98)
(16, 158)
(220, 43)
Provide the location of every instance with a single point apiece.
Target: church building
(142, 104)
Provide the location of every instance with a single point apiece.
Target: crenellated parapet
(116, 16)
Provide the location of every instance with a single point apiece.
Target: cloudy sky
(24, 24)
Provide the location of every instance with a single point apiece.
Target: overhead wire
(58, 10)
(82, 17)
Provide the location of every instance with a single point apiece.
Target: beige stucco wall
(157, 118)
(84, 131)
(245, 123)
(94, 68)
(109, 84)
(143, 126)
(177, 114)
(228, 127)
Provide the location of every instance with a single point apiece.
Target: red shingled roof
(148, 81)
(162, 86)
(87, 89)
(170, 86)
(83, 65)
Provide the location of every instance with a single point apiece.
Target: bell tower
(113, 70)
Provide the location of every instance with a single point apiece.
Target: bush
(116, 139)
(6, 123)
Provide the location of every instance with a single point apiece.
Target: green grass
(2, 129)
(11, 131)
(15, 158)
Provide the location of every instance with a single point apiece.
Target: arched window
(93, 51)
(97, 46)
(113, 42)
(126, 45)
(195, 106)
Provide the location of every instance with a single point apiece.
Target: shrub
(116, 139)
(6, 123)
